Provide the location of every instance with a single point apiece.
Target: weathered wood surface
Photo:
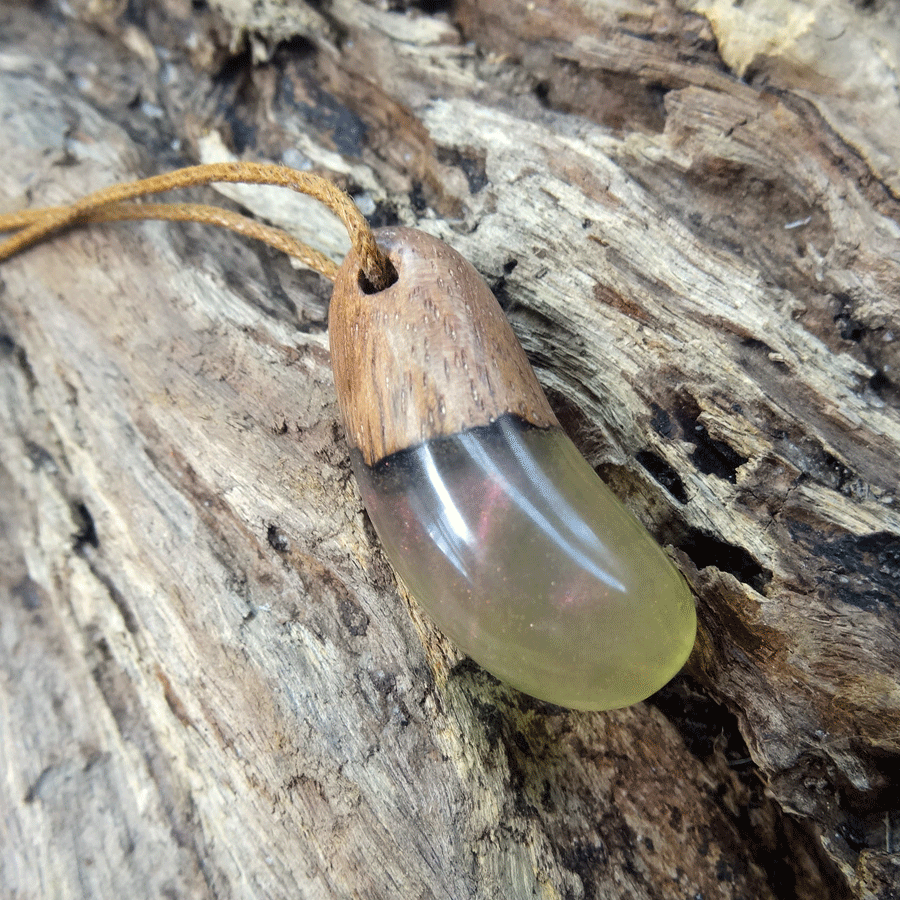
(210, 685)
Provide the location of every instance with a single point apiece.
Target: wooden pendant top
(429, 356)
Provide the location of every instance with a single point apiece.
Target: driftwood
(211, 686)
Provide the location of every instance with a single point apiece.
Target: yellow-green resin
(522, 556)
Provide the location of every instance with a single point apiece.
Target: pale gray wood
(211, 686)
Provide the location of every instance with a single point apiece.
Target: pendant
(491, 517)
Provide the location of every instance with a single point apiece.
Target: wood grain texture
(210, 686)
(430, 356)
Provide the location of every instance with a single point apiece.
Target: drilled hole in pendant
(367, 287)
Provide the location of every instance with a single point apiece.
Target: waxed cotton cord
(183, 212)
(116, 203)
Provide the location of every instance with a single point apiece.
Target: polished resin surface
(521, 555)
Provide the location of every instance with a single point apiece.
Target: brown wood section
(430, 356)
(210, 684)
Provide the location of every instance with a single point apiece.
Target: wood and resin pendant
(489, 514)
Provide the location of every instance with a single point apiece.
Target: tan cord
(35, 225)
(15, 220)
(212, 215)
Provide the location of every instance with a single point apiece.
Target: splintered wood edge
(430, 356)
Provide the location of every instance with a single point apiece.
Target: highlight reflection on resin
(531, 565)
(497, 525)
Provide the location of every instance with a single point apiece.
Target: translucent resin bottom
(521, 555)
